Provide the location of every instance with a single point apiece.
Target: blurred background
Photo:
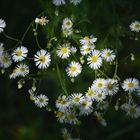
(108, 20)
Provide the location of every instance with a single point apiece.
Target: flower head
(2, 25)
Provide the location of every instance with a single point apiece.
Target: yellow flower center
(90, 92)
(64, 50)
(73, 68)
(76, 99)
(137, 26)
(94, 59)
(108, 54)
(87, 39)
(19, 53)
(85, 103)
(99, 95)
(132, 110)
(130, 85)
(87, 49)
(61, 101)
(72, 115)
(110, 86)
(100, 85)
(22, 69)
(68, 23)
(42, 59)
(60, 114)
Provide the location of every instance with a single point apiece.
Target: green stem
(11, 38)
(36, 38)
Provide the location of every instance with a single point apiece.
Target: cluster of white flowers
(67, 25)
(70, 107)
(63, 2)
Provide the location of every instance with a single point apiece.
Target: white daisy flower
(131, 84)
(22, 70)
(2, 25)
(90, 93)
(61, 117)
(131, 109)
(5, 60)
(108, 55)
(94, 60)
(112, 86)
(86, 107)
(74, 69)
(62, 102)
(63, 51)
(67, 32)
(42, 59)
(102, 105)
(86, 49)
(19, 54)
(73, 50)
(67, 24)
(76, 98)
(135, 26)
(100, 96)
(99, 85)
(88, 40)
(75, 2)
(66, 135)
(71, 117)
(58, 2)
(41, 100)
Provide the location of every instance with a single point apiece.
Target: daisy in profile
(74, 69)
(14, 74)
(67, 24)
(61, 117)
(135, 26)
(2, 25)
(22, 70)
(41, 100)
(73, 50)
(99, 85)
(86, 49)
(42, 59)
(67, 32)
(108, 55)
(19, 54)
(5, 60)
(112, 86)
(58, 2)
(64, 51)
(75, 2)
(94, 60)
(130, 84)
(76, 98)
(72, 117)
(88, 40)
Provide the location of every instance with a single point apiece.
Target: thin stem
(11, 38)
(103, 73)
(37, 42)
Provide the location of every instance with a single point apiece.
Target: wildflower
(108, 55)
(67, 24)
(130, 84)
(42, 59)
(94, 60)
(75, 2)
(88, 40)
(86, 49)
(63, 51)
(5, 60)
(19, 54)
(135, 26)
(74, 69)
(41, 101)
(42, 21)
